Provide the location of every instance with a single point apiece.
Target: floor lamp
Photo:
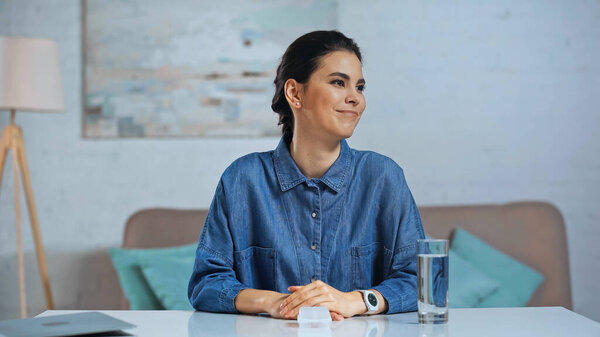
(29, 81)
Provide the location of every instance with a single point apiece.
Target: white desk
(512, 322)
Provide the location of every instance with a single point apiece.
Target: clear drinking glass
(432, 281)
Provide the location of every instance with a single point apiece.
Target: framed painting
(188, 68)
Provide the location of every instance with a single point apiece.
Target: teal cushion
(502, 298)
(169, 280)
(517, 281)
(467, 286)
(128, 263)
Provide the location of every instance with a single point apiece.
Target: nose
(352, 98)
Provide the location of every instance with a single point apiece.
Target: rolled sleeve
(392, 296)
(213, 285)
(227, 297)
(400, 286)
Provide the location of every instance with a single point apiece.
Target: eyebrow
(347, 78)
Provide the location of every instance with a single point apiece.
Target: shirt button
(313, 247)
(314, 214)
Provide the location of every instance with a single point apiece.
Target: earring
(298, 103)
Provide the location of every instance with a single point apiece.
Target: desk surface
(530, 322)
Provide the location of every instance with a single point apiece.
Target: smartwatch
(371, 301)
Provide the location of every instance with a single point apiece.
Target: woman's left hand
(318, 293)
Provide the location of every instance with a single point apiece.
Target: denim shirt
(270, 227)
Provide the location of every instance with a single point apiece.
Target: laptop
(62, 325)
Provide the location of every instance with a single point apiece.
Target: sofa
(531, 232)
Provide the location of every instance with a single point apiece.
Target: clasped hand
(318, 293)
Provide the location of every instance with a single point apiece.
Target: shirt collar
(289, 175)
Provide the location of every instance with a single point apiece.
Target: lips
(349, 112)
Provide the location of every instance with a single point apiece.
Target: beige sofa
(531, 232)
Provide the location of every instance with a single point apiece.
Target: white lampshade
(30, 75)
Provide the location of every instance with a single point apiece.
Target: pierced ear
(293, 90)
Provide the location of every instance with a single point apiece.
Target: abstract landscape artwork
(184, 68)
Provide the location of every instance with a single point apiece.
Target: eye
(338, 82)
(361, 88)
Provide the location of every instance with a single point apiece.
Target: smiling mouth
(348, 112)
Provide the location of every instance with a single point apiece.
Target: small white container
(314, 317)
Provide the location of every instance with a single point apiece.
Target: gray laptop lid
(62, 325)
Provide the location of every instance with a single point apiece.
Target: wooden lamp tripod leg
(20, 146)
(8, 143)
(18, 233)
(12, 139)
(4, 146)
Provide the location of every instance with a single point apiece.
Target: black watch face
(372, 299)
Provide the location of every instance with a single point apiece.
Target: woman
(312, 223)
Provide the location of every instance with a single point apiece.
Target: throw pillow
(169, 280)
(502, 298)
(517, 280)
(467, 286)
(128, 262)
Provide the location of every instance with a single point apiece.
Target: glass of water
(432, 281)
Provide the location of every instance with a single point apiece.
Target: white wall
(479, 102)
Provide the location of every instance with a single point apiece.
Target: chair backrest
(531, 232)
(163, 227)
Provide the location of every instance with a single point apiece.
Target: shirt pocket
(256, 267)
(370, 265)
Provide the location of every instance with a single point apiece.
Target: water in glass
(432, 275)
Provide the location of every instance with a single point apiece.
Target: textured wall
(479, 103)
